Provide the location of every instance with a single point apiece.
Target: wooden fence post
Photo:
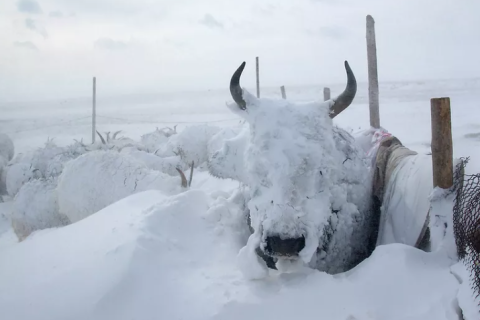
(326, 94)
(442, 146)
(284, 95)
(258, 78)
(94, 107)
(372, 74)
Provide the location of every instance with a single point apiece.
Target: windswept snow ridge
(151, 256)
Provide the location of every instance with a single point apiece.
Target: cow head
(294, 165)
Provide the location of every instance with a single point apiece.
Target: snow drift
(152, 256)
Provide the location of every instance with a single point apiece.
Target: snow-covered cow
(308, 182)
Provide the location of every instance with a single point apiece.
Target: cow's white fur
(305, 176)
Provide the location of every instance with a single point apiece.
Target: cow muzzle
(289, 247)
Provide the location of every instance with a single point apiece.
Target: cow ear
(228, 161)
(251, 101)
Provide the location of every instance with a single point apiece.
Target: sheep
(99, 178)
(7, 149)
(35, 208)
(190, 145)
(45, 162)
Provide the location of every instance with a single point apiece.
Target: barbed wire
(58, 123)
(169, 122)
(49, 125)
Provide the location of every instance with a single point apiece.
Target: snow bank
(467, 299)
(35, 208)
(442, 236)
(99, 178)
(151, 256)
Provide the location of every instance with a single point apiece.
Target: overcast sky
(52, 48)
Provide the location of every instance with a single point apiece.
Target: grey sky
(153, 46)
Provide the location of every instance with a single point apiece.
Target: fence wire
(466, 221)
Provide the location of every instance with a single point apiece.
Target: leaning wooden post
(284, 95)
(258, 78)
(326, 94)
(372, 74)
(94, 107)
(442, 146)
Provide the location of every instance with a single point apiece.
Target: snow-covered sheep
(166, 165)
(154, 140)
(113, 143)
(3, 176)
(308, 181)
(45, 162)
(191, 144)
(17, 175)
(7, 149)
(35, 208)
(99, 178)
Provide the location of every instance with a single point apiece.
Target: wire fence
(122, 120)
(466, 222)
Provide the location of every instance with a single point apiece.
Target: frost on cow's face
(293, 167)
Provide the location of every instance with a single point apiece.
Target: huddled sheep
(7, 151)
(35, 208)
(53, 185)
(190, 145)
(99, 178)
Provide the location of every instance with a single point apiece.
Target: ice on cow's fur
(299, 168)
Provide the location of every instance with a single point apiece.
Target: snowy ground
(150, 256)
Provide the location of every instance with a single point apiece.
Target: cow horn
(184, 179)
(235, 88)
(346, 97)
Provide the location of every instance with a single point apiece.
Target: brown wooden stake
(442, 146)
(284, 95)
(372, 74)
(326, 94)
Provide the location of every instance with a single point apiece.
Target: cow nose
(277, 246)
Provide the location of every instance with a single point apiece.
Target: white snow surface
(157, 256)
(149, 256)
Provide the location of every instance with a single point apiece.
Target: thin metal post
(94, 109)
(258, 78)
